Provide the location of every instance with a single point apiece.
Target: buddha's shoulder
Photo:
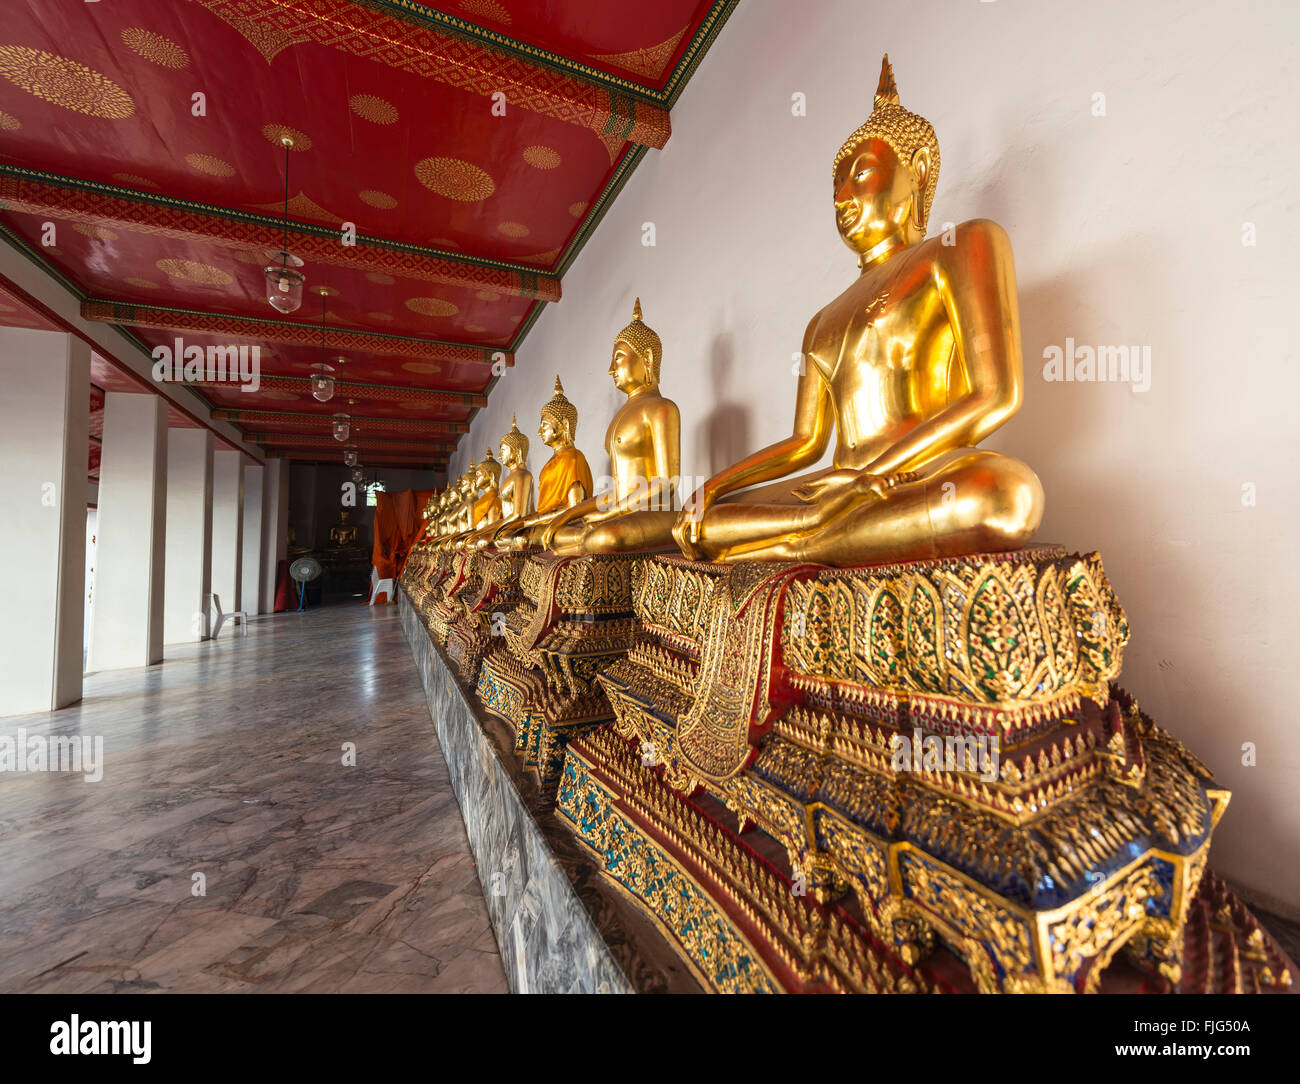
(958, 242)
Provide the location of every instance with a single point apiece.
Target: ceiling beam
(449, 59)
(287, 333)
(295, 420)
(433, 463)
(416, 398)
(90, 203)
(39, 289)
(375, 444)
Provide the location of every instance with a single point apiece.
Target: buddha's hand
(689, 527)
(878, 485)
(552, 528)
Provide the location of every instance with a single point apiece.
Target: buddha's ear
(921, 167)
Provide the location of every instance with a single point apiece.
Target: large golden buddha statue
(911, 367)
(565, 478)
(644, 448)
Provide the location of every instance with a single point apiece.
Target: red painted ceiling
(469, 146)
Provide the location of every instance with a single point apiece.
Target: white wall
(1127, 228)
(44, 414)
(187, 578)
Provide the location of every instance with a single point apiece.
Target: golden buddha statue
(913, 365)
(455, 512)
(343, 533)
(447, 508)
(564, 480)
(515, 489)
(485, 505)
(644, 448)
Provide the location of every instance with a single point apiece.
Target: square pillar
(189, 536)
(44, 431)
(127, 616)
(275, 526)
(227, 527)
(253, 562)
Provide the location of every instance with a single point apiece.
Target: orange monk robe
(558, 475)
(483, 506)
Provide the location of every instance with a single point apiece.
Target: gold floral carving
(162, 51)
(64, 82)
(541, 157)
(432, 306)
(276, 132)
(380, 200)
(373, 108)
(454, 178)
(211, 165)
(193, 271)
(649, 62)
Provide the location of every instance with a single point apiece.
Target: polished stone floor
(227, 761)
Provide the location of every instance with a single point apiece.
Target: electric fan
(303, 571)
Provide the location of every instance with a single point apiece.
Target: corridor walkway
(227, 846)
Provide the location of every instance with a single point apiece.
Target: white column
(189, 536)
(227, 526)
(275, 526)
(250, 587)
(128, 612)
(44, 437)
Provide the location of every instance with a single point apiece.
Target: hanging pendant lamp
(322, 378)
(284, 281)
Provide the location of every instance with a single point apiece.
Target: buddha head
(514, 446)
(885, 174)
(559, 420)
(466, 483)
(637, 354)
(487, 475)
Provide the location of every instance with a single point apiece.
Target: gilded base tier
(938, 742)
(573, 618)
(906, 778)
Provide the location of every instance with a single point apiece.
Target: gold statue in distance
(911, 366)
(343, 533)
(515, 490)
(644, 448)
(563, 481)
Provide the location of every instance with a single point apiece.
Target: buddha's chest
(629, 439)
(881, 337)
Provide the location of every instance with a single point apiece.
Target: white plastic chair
(379, 587)
(239, 616)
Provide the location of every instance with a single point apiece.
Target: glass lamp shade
(350, 457)
(284, 283)
(342, 426)
(322, 383)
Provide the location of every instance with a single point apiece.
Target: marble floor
(226, 761)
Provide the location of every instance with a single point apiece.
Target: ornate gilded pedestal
(936, 749)
(488, 589)
(573, 619)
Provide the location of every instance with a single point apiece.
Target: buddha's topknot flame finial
(887, 90)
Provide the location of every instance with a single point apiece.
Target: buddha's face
(508, 458)
(483, 478)
(627, 368)
(467, 484)
(551, 433)
(874, 193)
